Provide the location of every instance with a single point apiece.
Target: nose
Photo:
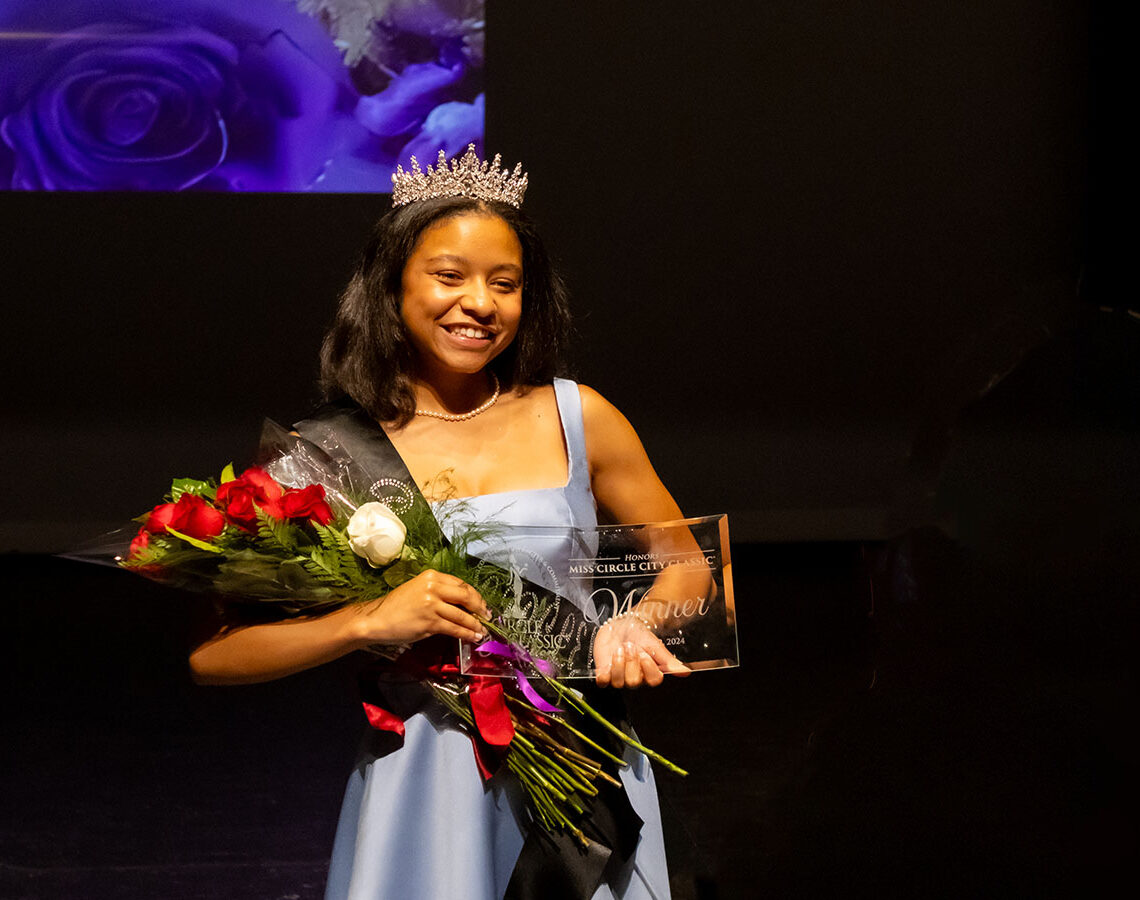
(478, 300)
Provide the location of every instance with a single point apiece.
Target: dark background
(849, 268)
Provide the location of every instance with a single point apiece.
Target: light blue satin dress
(419, 823)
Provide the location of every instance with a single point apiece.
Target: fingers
(457, 622)
(664, 660)
(644, 660)
(603, 666)
(454, 590)
(617, 667)
(454, 604)
(630, 667)
(431, 603)
(650, 671)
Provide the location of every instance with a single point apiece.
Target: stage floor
(907, 721)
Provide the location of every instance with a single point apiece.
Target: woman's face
(462, 293)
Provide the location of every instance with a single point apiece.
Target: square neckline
(559, 487)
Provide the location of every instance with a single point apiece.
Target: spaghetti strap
(570, 411)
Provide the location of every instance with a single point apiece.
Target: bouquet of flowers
(295, 537)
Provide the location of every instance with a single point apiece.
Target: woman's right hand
(431, 603)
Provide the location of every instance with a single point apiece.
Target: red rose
(140, 543)
(159, 518)
(241, 498)
(307, 503)
(263, 481)
(191, 515)
(196, 518)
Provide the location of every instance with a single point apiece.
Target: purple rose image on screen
(147, 96)
(449, 127)
(415, 104)
(432, 96)
(171, 95)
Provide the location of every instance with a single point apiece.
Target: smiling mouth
(469, 331)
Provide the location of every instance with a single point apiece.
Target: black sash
(550, 867)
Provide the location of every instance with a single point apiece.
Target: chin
(470, 362)
(464, 366)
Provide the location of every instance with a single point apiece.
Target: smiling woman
(437, 266)
(446, 347)
(462, 298)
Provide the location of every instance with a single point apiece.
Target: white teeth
(464, 331)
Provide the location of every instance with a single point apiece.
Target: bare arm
(431, 603)
(627, 489)
(253, 653)
(622, 477)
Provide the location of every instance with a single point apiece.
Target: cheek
(516, 315)
(418, 305)
(512, 328)
(415, 323)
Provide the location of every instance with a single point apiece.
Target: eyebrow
(462, 260)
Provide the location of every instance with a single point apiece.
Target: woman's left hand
(628, 654)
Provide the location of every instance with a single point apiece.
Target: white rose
(376, 533)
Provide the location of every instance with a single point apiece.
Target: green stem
(585, 707)
(617, 760)
(568, 776)
(577, 701)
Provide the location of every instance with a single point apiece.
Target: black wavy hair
(366, 354)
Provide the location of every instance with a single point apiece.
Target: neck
(452, 392)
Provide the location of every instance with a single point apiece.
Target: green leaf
(232, 538)
(446, 561)
(401, 571)
(194, 542)
(181, 486)
(295, 578)
(189, 558)
(325, 566)
(333, 538)
(276, 533)
(250, 562)
(245, 584)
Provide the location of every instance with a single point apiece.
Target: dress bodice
(545, 528)
(569, 504)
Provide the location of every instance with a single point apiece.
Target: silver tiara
(465, 177)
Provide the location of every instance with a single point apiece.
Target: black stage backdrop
(845, 265)
(798, 235)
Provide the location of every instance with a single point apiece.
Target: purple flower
(449, 127)
(403, 105)
(134, 95)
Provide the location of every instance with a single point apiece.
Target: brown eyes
(502, 284)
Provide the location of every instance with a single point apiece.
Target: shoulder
(608, 432)
(623, 479)
(597, 410)
(527, 398)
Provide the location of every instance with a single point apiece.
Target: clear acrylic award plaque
(668, 581)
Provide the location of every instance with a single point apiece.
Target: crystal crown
(464, 177)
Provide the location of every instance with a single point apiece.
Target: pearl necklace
(460, 417)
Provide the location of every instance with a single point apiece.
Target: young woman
(450, 338)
